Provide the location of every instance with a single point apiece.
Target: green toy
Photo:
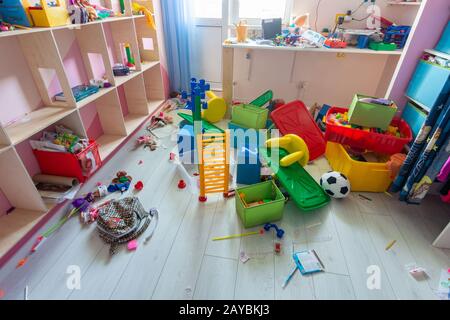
(266, 97)
(307, 194)
(209, 127)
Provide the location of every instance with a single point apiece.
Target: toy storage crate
(264, 213)
(50, 16)
(81, 165)
(361, 139)
(397, 35)
(430, 84)
(370, 115)
(363, 176)
(249, 116)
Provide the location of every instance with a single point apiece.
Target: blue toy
(249, 166)
(279, 231)
(195, 103)
(397, 35)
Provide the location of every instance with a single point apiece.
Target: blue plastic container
(186, 143)
(244, 137)
(363, 41)
(414, 117)
(397, 35)
(430, 84)
(444, 43)
(249, 166)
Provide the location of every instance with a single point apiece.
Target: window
(209, 9)
(254, 10)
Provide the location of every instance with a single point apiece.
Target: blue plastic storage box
(242, 137)
(414, 117)
(249, 166)
(430, 84)
(444, 43)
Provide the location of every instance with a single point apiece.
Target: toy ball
(335, 184)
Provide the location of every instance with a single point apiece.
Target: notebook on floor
(308, 262)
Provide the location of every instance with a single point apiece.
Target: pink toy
(132, 245)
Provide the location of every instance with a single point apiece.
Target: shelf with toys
(41, 63)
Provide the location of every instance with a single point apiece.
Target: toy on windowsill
(334, 43)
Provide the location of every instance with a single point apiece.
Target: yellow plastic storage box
(50, 16)
(363, 176)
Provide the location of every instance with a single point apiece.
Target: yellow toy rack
(214, 163)
(50, 16)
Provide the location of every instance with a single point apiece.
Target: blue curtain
(178, 26)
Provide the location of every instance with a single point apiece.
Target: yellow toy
(216, 110)
(50, 16)
(214, 163)
(148, 14)
(296, 146)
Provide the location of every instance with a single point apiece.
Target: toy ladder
(214, 163)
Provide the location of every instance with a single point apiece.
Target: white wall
(329, 8)
(329, 78)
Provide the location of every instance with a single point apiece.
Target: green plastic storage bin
(370, 114)
(263, 213)
(249, 116)
(381, 46)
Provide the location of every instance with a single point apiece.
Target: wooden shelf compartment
(133, 102)
(103, 121)
(18, 191)
(23, 97)
(34, 122)
(119, 33)
(47, 68)
(71, 121)
(154, 88)
(85, 57)
(147, 37)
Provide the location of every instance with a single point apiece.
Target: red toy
(181, 184)
(139, 186)
(277, 247)
(335, 44)
(361, 139)
(294, 118)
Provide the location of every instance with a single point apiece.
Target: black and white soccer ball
(335, 184)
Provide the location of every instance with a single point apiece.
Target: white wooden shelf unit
(43, 48)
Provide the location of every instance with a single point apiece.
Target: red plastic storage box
(361, 139)
(81, 165)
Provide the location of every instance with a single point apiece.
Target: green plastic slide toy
(209, 127)
(307, 194)
(263, 99)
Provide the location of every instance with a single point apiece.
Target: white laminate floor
(181, 261)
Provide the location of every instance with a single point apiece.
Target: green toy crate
(263, 213)
(249, 116)
(370, 114)
(381, 46)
